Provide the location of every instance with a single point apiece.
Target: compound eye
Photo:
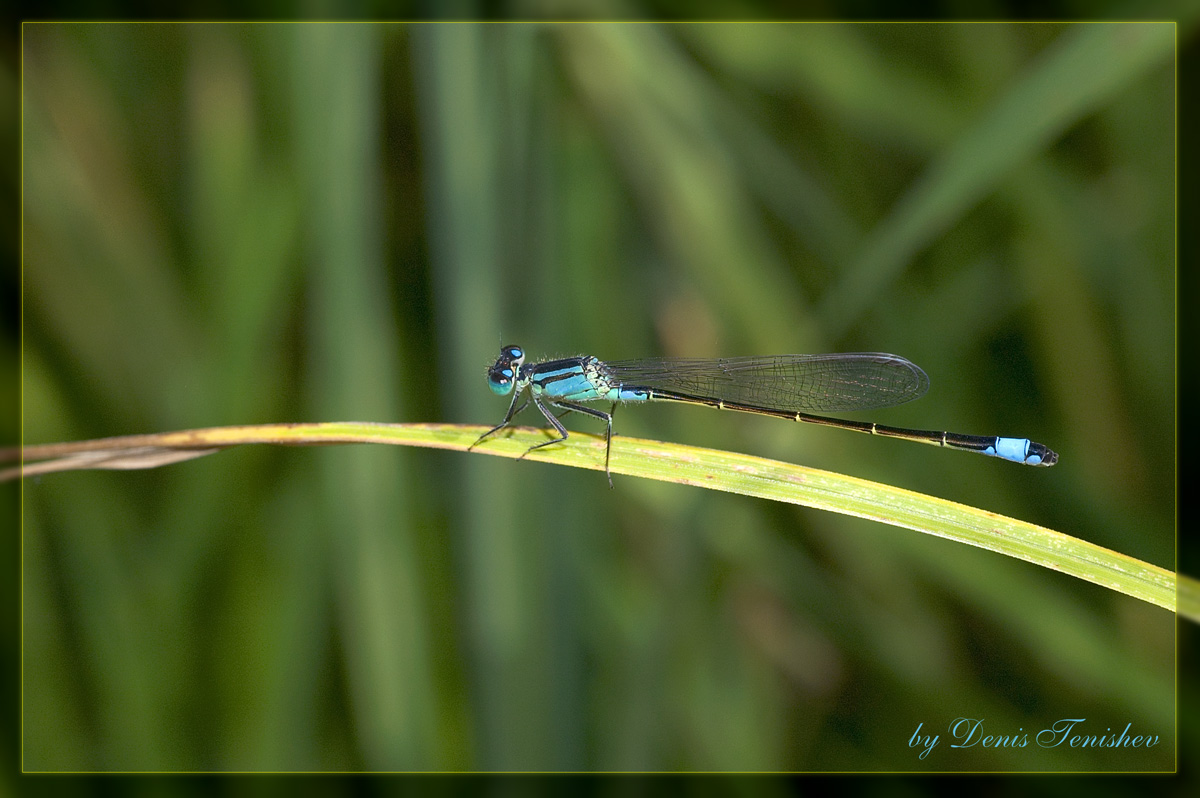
(500, 379)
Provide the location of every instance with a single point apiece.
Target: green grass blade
(824, 490)
(718, 470)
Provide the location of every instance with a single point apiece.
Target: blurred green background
(235, 224)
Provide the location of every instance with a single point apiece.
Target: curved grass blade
(667, 462)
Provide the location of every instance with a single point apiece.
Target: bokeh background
(235, 224)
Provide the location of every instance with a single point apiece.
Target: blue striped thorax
(572, 379)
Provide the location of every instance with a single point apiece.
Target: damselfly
(784, 386)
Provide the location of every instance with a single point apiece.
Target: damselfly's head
(503, 374)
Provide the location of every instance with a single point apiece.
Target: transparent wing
(811, 383)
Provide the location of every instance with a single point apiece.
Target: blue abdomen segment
(1014, 449)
